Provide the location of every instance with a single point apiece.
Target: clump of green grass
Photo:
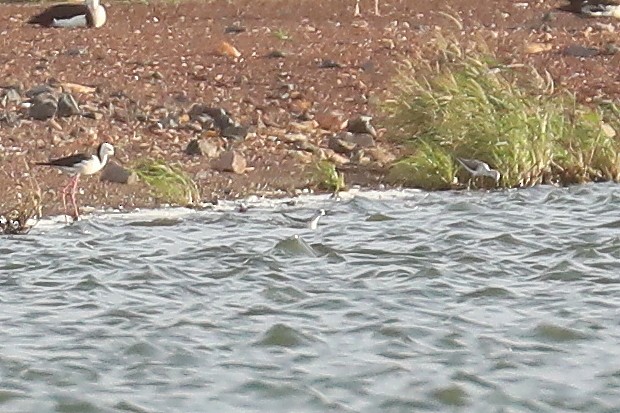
(168, 182)
(463, 102)
(327, 177)
(282, 34)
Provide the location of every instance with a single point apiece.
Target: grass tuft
(328, 178)
(168, 182)
(20, 220)
(463, 102)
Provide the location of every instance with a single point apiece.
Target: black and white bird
(80, 164)
(357, 8)
(313, 222)
(88, 14)
(593, 8)
(479, 169)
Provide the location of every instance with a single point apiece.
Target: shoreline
(141, 74)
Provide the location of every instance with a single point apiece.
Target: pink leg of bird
(65, 193)
(377, 8)
(73, 190)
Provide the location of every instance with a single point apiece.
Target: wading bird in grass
(80, 164)
(88, 14)
(479, 169)
(357, 8)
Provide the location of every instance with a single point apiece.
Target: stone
(116, 173)
(221, 118)
(276, 54)
(361, 124)
(235, 132)
(332, 120)
(67, 106)
(230, 161)
(339, 144)
(294, 137)
(201, 147)
(234, 29)
(580, 51)
(11, 95)
(40, 89)
(361, 140)
(329, 64)
(43, 107)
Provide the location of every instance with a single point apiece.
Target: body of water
(495, 302)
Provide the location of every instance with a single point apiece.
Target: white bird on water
(313, 222)
(80, 164)
(478, 168)
(357, 8)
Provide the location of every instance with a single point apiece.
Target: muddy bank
(302, 69)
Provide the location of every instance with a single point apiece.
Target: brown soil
(163, 57)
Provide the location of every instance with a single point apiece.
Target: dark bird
(89, 14)
(80, 164)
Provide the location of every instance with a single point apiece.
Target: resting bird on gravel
(357, 8)
(89, 14)
(593, 8)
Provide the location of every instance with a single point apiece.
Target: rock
(361, 140)
(210, 116)
(608, 130)
(11, 95)
(276, 54)
(43, 107)
(230, 161)
(221, 118)
(114, 172)
(361, 124)
(40, 89)
(237, 133)
(201, 147)
(77, 88)
(294, 137)
(67, 106)
(580, 51)
(93, 115)
(332, 120)
(380, 156)
(329, 64)
(235, 28)
(338, 144)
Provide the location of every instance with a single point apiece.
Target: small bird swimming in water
(313, 223)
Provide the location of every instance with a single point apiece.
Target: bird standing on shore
(479, 169)
(89, 14)
(357, 8)
(80, 164)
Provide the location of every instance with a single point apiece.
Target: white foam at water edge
(256, 202)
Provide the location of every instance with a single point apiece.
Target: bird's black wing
(67, 161)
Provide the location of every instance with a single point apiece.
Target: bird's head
(105, 149)
(495, 175)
